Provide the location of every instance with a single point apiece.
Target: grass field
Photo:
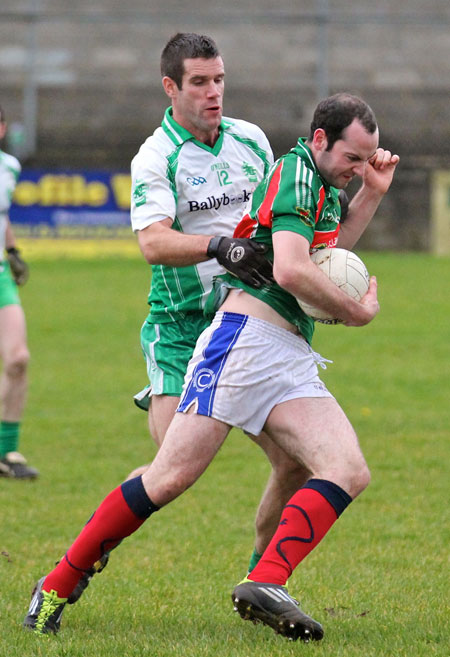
(379, 582)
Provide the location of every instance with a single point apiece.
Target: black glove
(243, 258)
(343, 200)
(19, 268)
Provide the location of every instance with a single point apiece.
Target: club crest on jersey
(331, 216)
(250, 171)
(204, 379)
(305, 216)
(140, 193)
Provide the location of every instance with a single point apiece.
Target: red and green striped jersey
(293, 197)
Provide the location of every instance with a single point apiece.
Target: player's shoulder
(156, 148)
(300, 160)
(244, 129)
(287, 163)
(297, 174)
(158, 142)
(10, 162)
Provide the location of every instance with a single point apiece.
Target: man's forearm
(360, 213)
(164, 246)
(179, 253)
(10, 239)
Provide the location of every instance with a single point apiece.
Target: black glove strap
(213, 247)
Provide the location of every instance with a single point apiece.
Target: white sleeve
(264, 143)
(152, 198)
(270, 156)
(9, 173)
(252, 131)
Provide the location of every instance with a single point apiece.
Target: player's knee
(179, 482)
(137, 472)
(365, 477)
(164, 489)
(359, 479)
(16, 363)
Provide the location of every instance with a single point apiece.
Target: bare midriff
(241, 302)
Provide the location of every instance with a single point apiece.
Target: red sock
(118, 516)
(305, 520)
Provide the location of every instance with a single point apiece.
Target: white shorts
(242, 367)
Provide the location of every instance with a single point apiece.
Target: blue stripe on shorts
(205, 377)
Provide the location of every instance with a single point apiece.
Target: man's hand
(19, 268)
(243, 258)
(370, 304)
(379, 170)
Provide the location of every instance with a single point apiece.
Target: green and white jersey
(9, 173)
(204, 190)
(293, 197)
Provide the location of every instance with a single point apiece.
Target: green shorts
(168, 349)
(8, 289)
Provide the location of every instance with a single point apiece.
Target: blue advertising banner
(66, 204)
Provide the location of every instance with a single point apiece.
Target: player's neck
(207, 137)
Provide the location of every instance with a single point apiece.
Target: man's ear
(320, 140)
(170, 86)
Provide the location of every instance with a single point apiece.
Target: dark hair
(335, 113)
(185, 45)
(2, 115)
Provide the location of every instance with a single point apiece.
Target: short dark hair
(185, 45)
(337, 112)
(2, 115)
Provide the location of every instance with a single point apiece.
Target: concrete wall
(93, 71)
